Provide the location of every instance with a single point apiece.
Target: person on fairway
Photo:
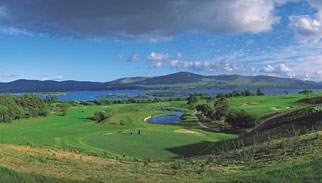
(131, 132)
(139, 132)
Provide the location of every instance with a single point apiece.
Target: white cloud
(157, 56)
(156, 64)
(308, 28)
(134, 58)
(44, 74)
(278, 70)
(268, 69)
(10, 75)
(14, 31)
(178, 56)
(59, 77)
(206, 66)
(44, 79)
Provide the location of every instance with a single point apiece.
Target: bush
(241, 119)
(100, 116)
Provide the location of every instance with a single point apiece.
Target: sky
(103, 40)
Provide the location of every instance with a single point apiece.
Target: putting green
(154, 144)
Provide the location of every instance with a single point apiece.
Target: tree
(248, 92)
(241, 119)
(4, 114)
(206, 111)
(259, 92)
(54, 98)
(306, 92)
(221, 95)
(192, 99)
(286, 92)
(64, 110)
(221, 108)
(100, 116)
(47, 100)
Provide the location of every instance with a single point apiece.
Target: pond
(167, 117)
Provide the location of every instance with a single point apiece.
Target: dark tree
(259, 92)
(248, 92)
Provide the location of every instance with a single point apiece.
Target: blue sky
(105, 40)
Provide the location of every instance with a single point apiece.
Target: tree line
(20, 107)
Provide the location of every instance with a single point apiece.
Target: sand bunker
(108, 133)
(255, 103)
(275, 108)
(245, 104)
(189, 131)
(288, 107)
(147, 118)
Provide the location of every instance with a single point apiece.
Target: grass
(78, 131)
(74, 148)
(292, 159)
(8, 175)
(261, 105)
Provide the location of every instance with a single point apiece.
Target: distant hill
(180, 80)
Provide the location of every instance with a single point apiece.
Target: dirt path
(268, 121)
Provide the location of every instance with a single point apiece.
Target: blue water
(91, 95)
(165, 118)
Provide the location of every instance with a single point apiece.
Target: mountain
(180, 80)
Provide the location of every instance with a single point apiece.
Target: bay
(91, 95)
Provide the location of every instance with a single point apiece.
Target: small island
(112, 96)
(51, 94)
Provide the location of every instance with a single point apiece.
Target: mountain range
(180, 80)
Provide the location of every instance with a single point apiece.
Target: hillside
(180, 80)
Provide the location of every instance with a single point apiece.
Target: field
(49, 148)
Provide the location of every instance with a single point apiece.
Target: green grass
(155, 144)
(78, 131)
(56, 148)
(261, 105)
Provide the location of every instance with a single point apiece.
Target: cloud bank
(142, 18)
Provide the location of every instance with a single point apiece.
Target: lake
(91, 95)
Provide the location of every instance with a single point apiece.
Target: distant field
(268, 104)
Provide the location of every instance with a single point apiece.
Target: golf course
(125, 139)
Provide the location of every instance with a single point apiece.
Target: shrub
(100, 116)
(241, 119)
